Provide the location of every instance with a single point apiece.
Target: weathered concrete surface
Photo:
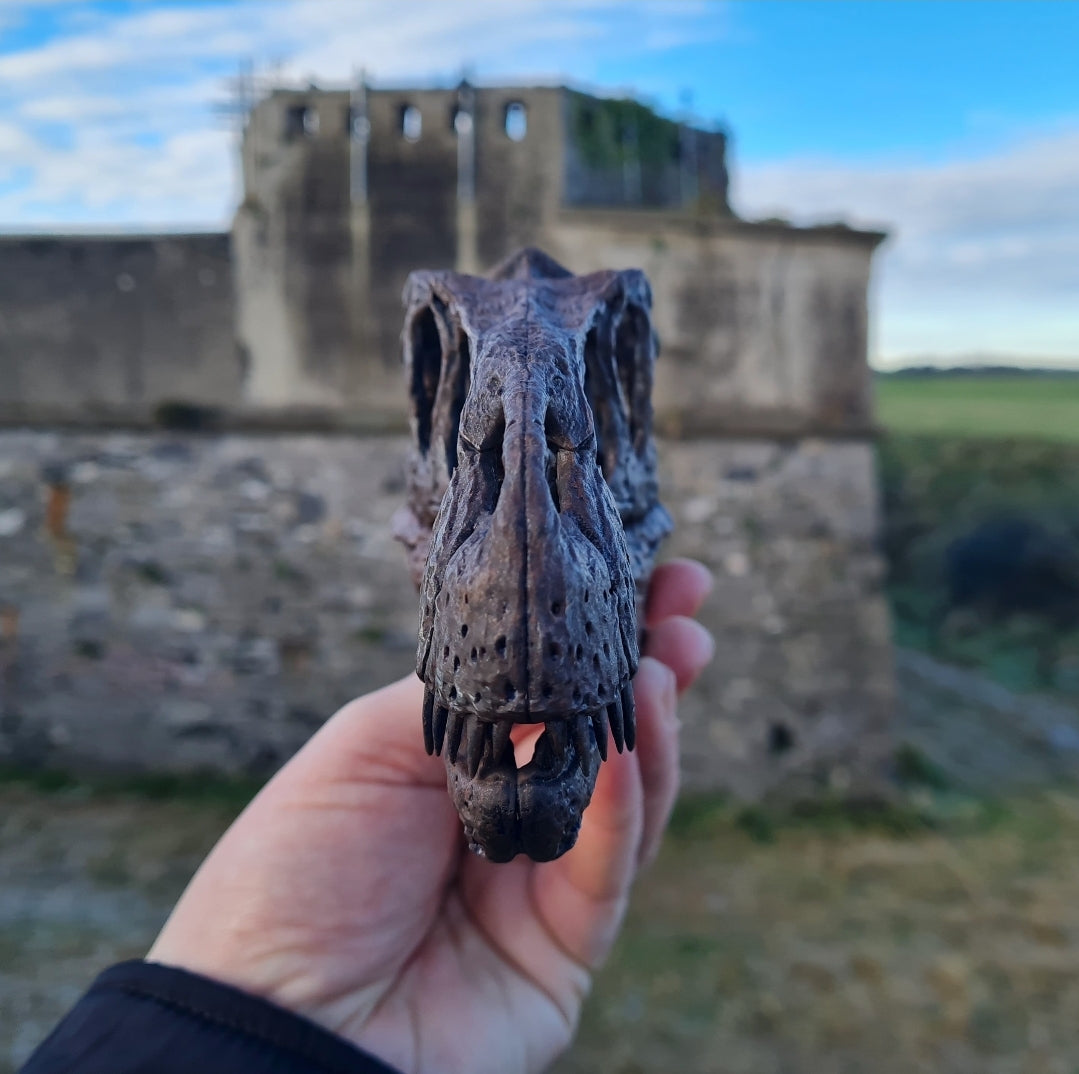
(97, 327)
(183, 602)
(294, 320)
(763, 329)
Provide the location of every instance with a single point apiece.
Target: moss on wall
(608, 132)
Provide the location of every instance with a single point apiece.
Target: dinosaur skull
(532, 524)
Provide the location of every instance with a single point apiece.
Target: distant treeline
(973, 371)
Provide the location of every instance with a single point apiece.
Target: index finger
(678, 587)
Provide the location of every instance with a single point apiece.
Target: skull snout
(528, 617)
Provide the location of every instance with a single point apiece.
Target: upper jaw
(479, 738)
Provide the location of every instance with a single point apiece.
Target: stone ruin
(203, 438)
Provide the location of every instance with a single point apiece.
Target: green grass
(229, 792)
(848, 948)
(1043, 407)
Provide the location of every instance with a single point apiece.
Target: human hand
(345, 891)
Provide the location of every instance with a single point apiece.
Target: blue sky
(855, 79)
(956, 125)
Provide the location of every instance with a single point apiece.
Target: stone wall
(763, 328)
(188, 602)
(293, 320)
(93, 328)
(319, 306)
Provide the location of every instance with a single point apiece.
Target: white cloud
(333, 37)
(984, 254)
(112, 121)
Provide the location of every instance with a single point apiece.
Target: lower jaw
(536, 811)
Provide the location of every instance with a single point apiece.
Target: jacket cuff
(139, 1017)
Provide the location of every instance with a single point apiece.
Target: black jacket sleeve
(144, 1018)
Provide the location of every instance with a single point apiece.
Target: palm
(346, 892)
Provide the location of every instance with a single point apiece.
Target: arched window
(301, 121)
(516, 121)
(411, 123)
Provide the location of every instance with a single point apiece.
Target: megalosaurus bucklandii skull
(532, 524)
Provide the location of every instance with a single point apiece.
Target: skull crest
(531, 526)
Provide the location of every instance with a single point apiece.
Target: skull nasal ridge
(530, 432)
(525, 527)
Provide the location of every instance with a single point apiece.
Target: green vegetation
(938, 488)
(936, 933)
(699, 815)
(609, 132)
(227, 792)
(1044, 406)
(849, 948)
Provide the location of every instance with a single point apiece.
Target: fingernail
(706, 646)
(704, 574)
(663, 679)
(670, 696)
(707, 577)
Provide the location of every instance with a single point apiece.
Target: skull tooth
(629, 715)
(557, 735)
(428, 720)
(614, 717)
(454, 726)
(441, 714)
(582, 739)
(422, 668)
(500, 739)
(475, 740)
(599, 728)
(629, 651)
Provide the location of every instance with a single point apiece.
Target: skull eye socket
(439, 359)
(618, 356)
(426, 362)
(633, 355)
(595, 401)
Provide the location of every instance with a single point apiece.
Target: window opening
(301, 120)
(411, 122)
(516, 121)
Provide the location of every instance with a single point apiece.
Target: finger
(657, 751)
(678, 587)
(683, 645)
(524, 737)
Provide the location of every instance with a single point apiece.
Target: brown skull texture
(531, 525)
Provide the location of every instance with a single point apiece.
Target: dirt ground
(941, 934)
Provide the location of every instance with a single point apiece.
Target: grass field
(934, 933)
(989, 405)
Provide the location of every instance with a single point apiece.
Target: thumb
(376, 738)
